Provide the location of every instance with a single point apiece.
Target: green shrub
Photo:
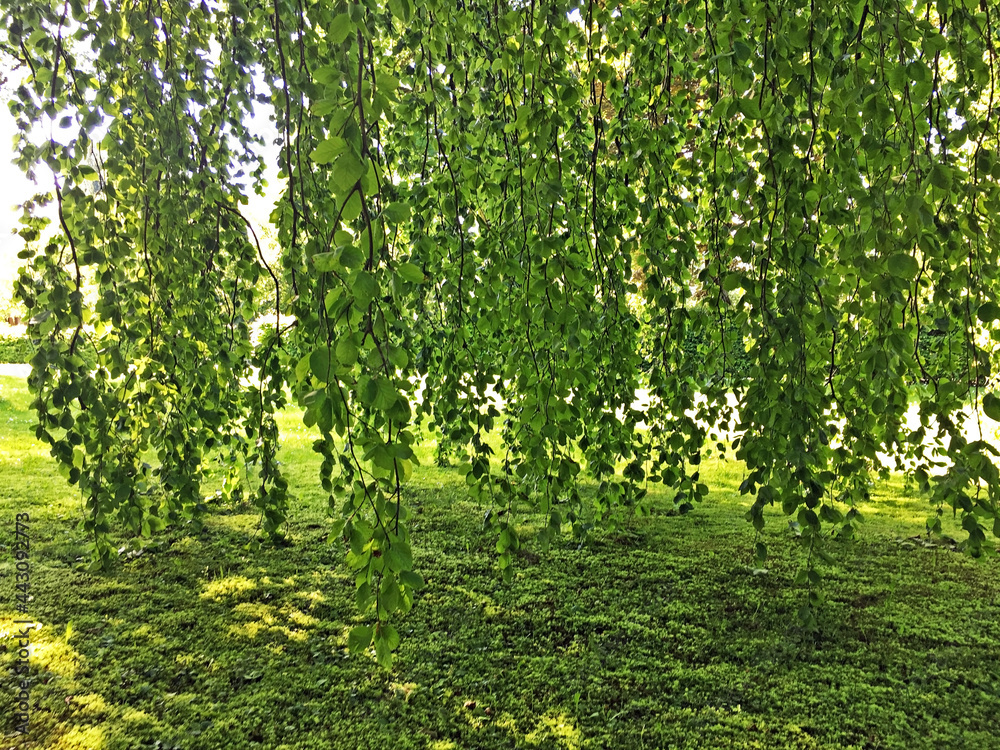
(19, 350)
(699, 348)
(15, 350)
(947, 355)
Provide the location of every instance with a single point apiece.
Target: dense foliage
(476, 197)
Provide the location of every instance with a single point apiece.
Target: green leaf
(383, 654)
(385, 393)
(941, 176)
(412, 579)
(359, 639)
(398, 356)
(857, 8)
(991, 406)
(339, 28)
(328, 150)
(351, 257)
(156, 523)
(319, 363)
(401, 9)
(365, 288)
(399, 556)
(347, 352)
(902, 265)
(381, 458)
(347, 170)
(326, 262)
(411, 272)
(323, 107)
(302, 368)
(988, 312)
(389, 634)
(326, 75)
(750, 108)
(397, 213)
(352, 207)
(760, 551)
(358, 540)
(363, 597)
(388, 595)
(732, 281)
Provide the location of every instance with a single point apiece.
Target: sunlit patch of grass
(264, 613)
(81, 738)
(559, 729)
(315, 598)
(91, 705)
(228, 587)
(50, 653)
(298, 617)
(249, 630)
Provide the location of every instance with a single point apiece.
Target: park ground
(666, 634)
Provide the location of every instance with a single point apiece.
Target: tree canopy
(542, 202)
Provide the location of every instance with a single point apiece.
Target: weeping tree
(544, 201)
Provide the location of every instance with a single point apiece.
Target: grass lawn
(665, 637)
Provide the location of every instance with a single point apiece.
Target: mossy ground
(663, 637)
